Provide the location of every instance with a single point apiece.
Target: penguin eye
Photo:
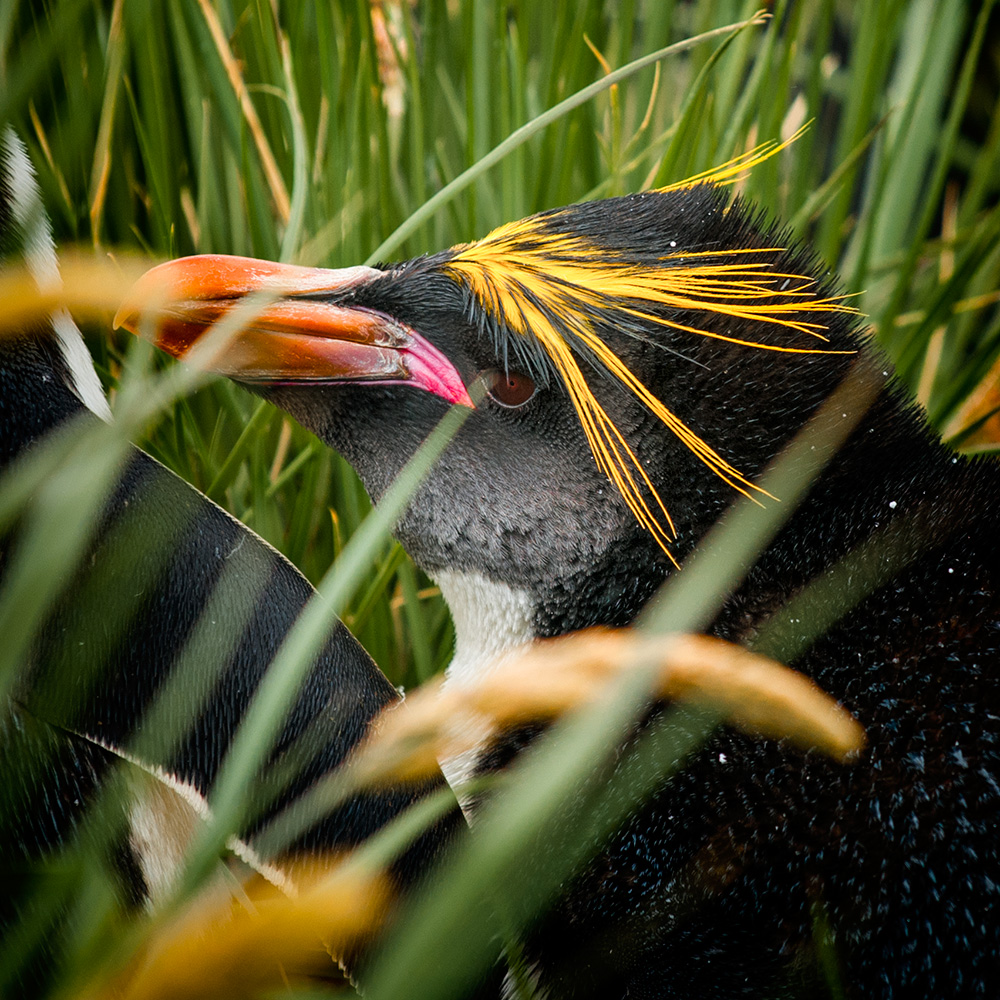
(510, 389)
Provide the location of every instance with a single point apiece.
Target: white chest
(492, 622)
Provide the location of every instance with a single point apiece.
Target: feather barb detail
(548, 292)
(739, 166)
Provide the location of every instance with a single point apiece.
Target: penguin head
(630, 365)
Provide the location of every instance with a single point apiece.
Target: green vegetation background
(312, 131)
(136, 116)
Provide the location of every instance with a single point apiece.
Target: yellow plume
(545, 282)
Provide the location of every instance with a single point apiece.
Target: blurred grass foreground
(337, 133)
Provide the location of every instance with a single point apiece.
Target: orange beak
(296, 336)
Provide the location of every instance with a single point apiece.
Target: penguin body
(715, 887)
(169, 583)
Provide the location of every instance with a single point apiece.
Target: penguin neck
(492, 622)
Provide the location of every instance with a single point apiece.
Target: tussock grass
(338, 133)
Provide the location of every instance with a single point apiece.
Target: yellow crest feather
(739, 166)
(557, 287)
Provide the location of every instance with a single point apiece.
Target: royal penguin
(631, 366)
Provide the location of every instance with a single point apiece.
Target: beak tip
(128, 316)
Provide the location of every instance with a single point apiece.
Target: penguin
(632, 366)
(168, 575)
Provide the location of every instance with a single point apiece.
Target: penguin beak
(296, 336)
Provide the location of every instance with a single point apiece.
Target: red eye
(509, 389)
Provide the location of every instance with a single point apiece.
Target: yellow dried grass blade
(981, 407)
(221, 947)
(749, 691)
(91, 288)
